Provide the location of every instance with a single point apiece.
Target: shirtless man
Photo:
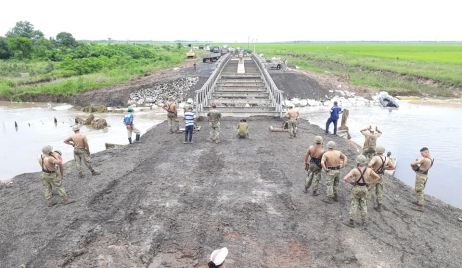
(363, 177)
(379, 163)
(421, 166)
(370, 140)
(172, 115)
(313, 165)
(81, 151)
(292, 115)
(52, 174)
(332, 161)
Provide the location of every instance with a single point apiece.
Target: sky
(241, 20)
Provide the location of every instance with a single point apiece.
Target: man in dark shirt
(334, 115)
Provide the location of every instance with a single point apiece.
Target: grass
(401, 68)
(20, 78)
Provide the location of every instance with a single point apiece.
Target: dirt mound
(162, 203)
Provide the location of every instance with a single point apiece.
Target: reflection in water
(405, 131)
(20, 146)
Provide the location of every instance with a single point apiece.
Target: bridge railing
(204, 93)
(276, 95)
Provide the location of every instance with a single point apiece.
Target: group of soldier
(51, 163)
(366, 178)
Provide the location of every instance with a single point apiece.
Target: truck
(211, 57)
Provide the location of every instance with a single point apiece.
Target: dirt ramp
(162, 203)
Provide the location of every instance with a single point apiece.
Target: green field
(87, 67)
(432, 69)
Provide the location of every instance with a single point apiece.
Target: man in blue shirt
(334, 115)
(128, 121)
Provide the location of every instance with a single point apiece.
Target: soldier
(292, 115)
(363, 176)
(332, 161)
(243, 129)
(81, 151)
(128, 121)
(371, 135)
(313, 166)
(379, 163)
(214, 117)
(172, 115)
(52, 174)
(421, 166)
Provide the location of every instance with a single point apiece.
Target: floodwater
(405, 131)
(20, 149)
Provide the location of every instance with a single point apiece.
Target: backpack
(128, 119)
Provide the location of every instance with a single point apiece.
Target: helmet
(318, 139)
(130, 109)
(76, 128)
(379, 149)
(361, 159)
(331, 145)
(47, 149)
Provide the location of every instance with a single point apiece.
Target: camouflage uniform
(359, 201)
(420, 182)
(332, 180)
(52, 181)
(313, 178)
(82, 155)
(292, 127)
(214, 121)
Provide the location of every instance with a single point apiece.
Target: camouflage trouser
(332, 180)
(312, 178)
(52, 181)
(173, 124)
(131, 130)
(358, 201)
(82, 155)
(378, 190)
(292, 128)
(369, 153)
(215, 131)
(420, 182)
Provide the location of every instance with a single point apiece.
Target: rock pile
(91, 121)
(159, 92)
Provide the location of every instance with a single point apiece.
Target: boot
(81, 174)
(419, 208)
(335, 198)
(328, 200)
(137, 137)
(364, 223)
(378, 208)
(66, 201)
(50, 203)
(315, 193)
(350, 223)
(95, 173)
(130, 140)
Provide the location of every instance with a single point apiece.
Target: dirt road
(161, 203)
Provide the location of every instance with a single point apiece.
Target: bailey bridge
(240, 87)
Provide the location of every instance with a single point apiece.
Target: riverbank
(163, 203)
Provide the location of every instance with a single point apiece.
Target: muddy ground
(162, 203)
(309, 85)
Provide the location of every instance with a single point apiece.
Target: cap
(318, 139)
(361, 159)
(76, 128)
(331, 145)
(379, 149)
(130, 109)
(424, 149)
(47, 149)
(218, 256)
